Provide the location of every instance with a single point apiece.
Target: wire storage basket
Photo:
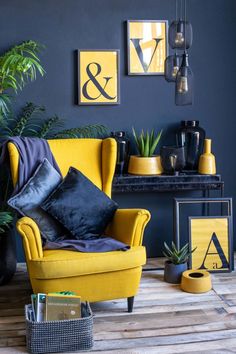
(60, 336)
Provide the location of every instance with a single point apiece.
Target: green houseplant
(32, 121)
(146, 163)
(176, 262)
(18, 65)
(7, 248)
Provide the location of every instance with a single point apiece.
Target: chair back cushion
(95, 158)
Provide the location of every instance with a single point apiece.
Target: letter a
(219, 252)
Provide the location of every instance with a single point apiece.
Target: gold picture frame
(212, 238)
(98, 77)
(147, 46)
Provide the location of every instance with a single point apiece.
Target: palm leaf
(19, 65)
(6, 219)
(48, 127)
(88, 131)
(4, 104)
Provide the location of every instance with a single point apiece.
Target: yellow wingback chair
(95, 276)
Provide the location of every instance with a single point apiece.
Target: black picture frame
(229, 238)
(176, 217)
(129, 72)
(91, 103)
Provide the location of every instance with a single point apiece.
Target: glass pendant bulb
(179, 36)
(184, 83)
(175, 71)
(176, 64)
(172, 65)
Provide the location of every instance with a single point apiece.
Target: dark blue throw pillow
(80, 206)
(35, 191)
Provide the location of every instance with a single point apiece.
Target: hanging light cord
(185, 19)
(176, 19)
(176, 10)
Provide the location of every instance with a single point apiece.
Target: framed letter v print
(147, 47)
(98, 72)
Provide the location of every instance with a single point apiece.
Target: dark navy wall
(66, 25)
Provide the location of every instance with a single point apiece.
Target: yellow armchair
(95, 276)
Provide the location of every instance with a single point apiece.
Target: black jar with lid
(191, 136)
(122, 151)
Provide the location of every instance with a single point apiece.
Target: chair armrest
(128, 226)
(31, 238)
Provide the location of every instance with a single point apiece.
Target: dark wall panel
(66, 25)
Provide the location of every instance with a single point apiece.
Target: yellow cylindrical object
(207, 146)
(207, 162)
(145, 165)
(196, 281)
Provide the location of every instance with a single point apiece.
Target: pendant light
(172, 62)
(184, 78)
(184, 83)
(180, 31)
(172, 65)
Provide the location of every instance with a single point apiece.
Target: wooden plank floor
(165, 319)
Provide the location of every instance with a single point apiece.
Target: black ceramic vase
(173, 272)
(172, 159)
(122, 152)
(191, 136)
(7, 256)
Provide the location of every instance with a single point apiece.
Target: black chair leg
(130, 302)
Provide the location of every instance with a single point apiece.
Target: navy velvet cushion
(80, 206)
(35, 191)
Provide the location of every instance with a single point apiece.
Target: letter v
(139, 51)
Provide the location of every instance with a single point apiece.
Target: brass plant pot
(196, 281)
(145, 166)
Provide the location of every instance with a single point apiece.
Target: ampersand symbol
(93, 79)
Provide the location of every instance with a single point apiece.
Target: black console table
(165, 183)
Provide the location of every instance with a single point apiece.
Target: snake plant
(146, 142)
(176, 256)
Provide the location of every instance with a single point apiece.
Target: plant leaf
(155, 143)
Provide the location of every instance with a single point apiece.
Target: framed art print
(98, 72)
(212, 237)
(147, 47)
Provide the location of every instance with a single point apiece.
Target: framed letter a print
(147, 47)
(98, 77)
(212, 237)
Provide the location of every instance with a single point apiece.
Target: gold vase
(207, 162)
(144, 166)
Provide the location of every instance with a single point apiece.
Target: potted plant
(7, 248)
(176, 262)
(146, 163)
(19, 65)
